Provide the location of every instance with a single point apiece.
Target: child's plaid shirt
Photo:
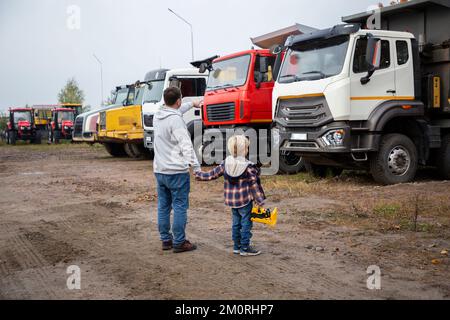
(239, 191)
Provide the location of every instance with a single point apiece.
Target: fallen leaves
(436, 261)
(146, 198)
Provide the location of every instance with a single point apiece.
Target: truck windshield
(139, 95)
(314, 60)
(121, 96)
(153, 92)
(22, 116)
(65, 116)
(229, 73)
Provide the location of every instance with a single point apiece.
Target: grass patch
(387, 211)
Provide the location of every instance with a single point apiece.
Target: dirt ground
(74, 205)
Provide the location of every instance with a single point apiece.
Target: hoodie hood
(165, 112)
(235, 167)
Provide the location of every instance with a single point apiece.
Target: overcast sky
(39, 52)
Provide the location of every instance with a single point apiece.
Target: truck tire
(115, 149)
(291, 163)
(149, 154)
(320, 171)
(443, 158)
(134, 151)
(57, 137)
(38, 138)
(12, 138)
(396, 160)
(7, 137)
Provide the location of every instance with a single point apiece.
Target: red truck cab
(239, 96)
(239, 91)
(21, 126)
(61, 125)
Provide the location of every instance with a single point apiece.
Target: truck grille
(78, 128)
(221, 112)
(303, 112)
(148, 120)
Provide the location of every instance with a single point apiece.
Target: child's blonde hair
(238, 146)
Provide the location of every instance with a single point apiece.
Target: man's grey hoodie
(174, 153)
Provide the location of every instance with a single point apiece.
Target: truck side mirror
(203, 67)
(263, 65)
(373, 57)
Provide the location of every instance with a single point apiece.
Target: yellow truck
(120, 128)
(43, 114)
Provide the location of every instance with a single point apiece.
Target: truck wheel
(290, 163)
(12, 138)
(319, 171)
(115, 149)
(396, 161)
(443, 158)
(134, 151)
(57, 137)
(149, 154)
(7, 137)
(37, 139)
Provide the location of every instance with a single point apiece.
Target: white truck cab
(348, 97)
(192, 84)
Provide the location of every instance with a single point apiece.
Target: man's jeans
(242, 226)
(173, 193)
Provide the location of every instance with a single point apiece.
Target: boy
(242, 188)
(174, 154)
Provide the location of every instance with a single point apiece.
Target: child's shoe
(236, 249)
(249, 252)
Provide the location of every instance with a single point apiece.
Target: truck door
(192, 88)
(364, 98)
(261, 98)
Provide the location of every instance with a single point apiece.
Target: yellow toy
(265, 216)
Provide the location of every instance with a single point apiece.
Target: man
(174, 154)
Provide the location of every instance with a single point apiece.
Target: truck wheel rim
(399, 161)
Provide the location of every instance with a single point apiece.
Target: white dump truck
(192, 84)
(350, 97)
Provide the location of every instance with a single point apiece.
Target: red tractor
(61, 125)
(21, 126)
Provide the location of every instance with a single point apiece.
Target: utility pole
(192, 31)
(101, 75)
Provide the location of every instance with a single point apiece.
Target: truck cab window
(359, 61)
(192, 87)
(402, 52)
(267, 76)
(131, 97)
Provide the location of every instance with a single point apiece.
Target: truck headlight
(66, 128)
(334, 138)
